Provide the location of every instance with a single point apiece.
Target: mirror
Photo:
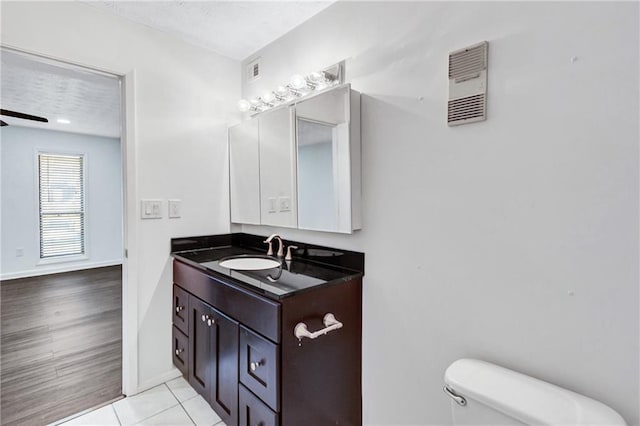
(298, 165)
(278, 206)
(324, 172)
(244, 168)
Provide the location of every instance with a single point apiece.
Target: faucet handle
(270, 251)
(289, 256)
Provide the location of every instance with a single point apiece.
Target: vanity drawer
(253, 411)
(260, 367)
(180, 348)
(181, 309)
(259, 313)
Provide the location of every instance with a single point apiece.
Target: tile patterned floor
(173, 403)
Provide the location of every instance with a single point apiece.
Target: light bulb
(244, 105)
(316, 76)
(268, 97)
(297, 81)
(282, 91)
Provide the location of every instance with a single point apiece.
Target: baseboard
(158, 380)
(58, 269)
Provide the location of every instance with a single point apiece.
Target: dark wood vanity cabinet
(242, 356)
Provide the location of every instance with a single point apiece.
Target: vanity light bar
(298, 87)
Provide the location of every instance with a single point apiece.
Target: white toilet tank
(486, 394)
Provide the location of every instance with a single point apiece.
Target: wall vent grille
(471, 108)
(468, 85)
(253, 70)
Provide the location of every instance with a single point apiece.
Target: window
(61, 205)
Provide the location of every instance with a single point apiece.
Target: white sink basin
(250, 263)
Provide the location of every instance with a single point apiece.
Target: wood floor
(61, 344)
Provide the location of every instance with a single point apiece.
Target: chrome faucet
(280, 247)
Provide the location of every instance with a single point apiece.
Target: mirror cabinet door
(278, 198)
(244, 176)
(324, 162)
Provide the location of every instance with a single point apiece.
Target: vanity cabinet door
(213, 361)
(200, 337)
(224, 367)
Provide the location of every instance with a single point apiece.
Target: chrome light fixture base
(298, 87)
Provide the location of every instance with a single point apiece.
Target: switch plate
(174, 208)
(151, 209)
(285, 204)
(272, 205)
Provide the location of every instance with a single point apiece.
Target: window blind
(61, 205)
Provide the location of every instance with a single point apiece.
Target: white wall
(184, 96)
(513, 240)
(19, 199)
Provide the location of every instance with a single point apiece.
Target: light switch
(285, 204)
(272, 205)
(151, 209)
(174, 208)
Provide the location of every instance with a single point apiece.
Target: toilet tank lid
(525, 398)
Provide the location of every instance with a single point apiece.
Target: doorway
(62, 239)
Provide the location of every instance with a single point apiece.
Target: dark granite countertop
(312, 266)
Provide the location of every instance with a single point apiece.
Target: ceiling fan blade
(22, 115)
(2, 123)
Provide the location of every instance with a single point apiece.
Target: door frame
(127, 80)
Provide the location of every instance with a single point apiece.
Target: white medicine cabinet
(299, 165)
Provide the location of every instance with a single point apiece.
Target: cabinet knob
(254, 365)
(208, 319)
(179, 351)
(179, 308)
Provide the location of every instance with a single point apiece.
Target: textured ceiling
(90, 101)
(232, 28)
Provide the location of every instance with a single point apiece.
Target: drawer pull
(254, 365)
(330, 324)
(179, 351)
(179, 309)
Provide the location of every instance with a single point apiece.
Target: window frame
(66, 257)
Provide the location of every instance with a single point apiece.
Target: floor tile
(200, 412)
(175, 416)
(132, 410)
(104, 416)
(181, 389)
